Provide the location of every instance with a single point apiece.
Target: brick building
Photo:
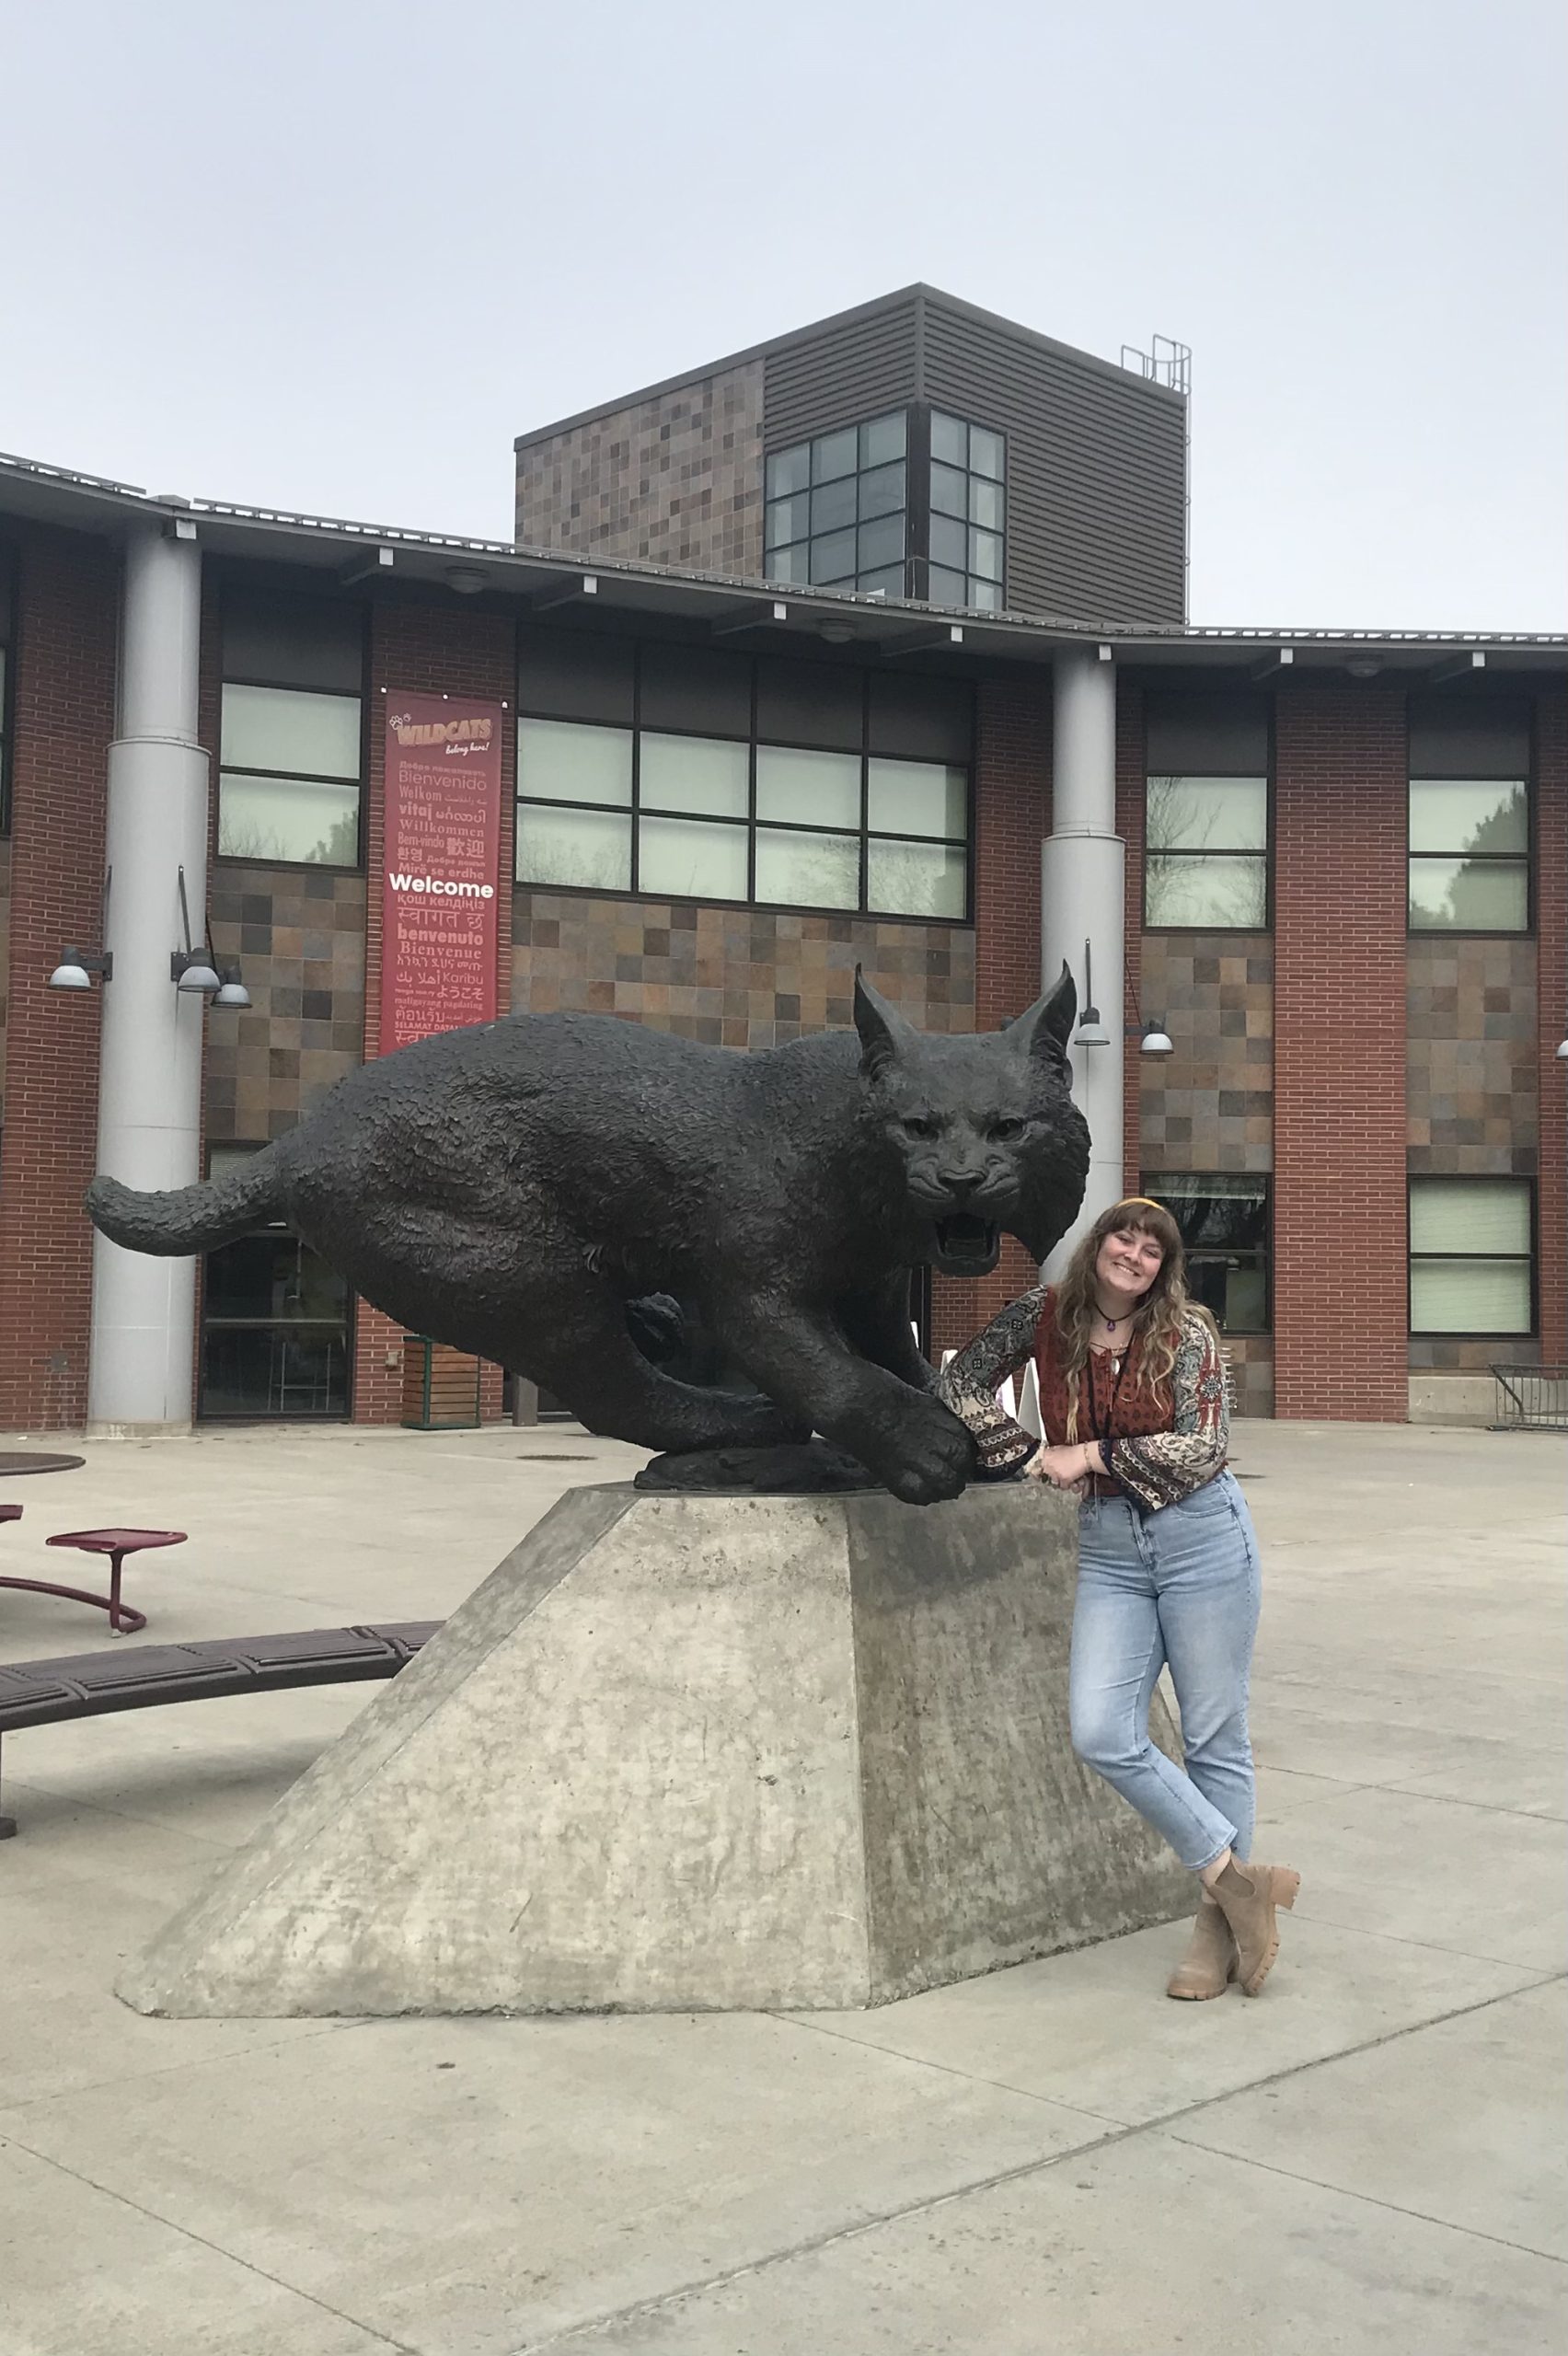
(866, 645)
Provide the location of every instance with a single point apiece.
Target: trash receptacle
(441, 1386)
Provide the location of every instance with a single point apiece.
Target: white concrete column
(1082, 896)
(150, 1058)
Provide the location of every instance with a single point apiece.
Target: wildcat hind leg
(578, 1346)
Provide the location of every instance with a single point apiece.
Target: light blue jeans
(1178, 1585)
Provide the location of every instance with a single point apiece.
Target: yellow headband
(1128, 1200)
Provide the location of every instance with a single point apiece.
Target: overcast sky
(333, 257)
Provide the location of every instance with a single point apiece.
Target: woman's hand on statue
(1064, 1468)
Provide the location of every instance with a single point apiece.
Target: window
(1206, 813)
(290, 749)
(701, 776)
(1470, 1269)
(836, 515)
(1470, 842)
(1225, 1233)
(1470, 816)
(968, 518)
(275, 1322)
(1206, 861)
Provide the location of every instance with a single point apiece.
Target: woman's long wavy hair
(1157, 1322)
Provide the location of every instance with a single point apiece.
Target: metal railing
(1531, 1398)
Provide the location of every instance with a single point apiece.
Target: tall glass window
(1206, 852)
(1470, 841)
(1225, 1235)
(968, 520)
(836, 515)
(290, 759)
(1207, 758)
(1470, 1258)
(1470, 814)
(708, 777)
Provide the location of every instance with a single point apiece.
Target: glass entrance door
(276, 1330)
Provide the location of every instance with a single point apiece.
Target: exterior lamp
(191, 969)
(232, 990)
(77, 966)
(1152, 1037)
(1091, 1032)
(1562, 1047)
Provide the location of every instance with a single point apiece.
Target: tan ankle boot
(1210, 1963)
(1247, 1896)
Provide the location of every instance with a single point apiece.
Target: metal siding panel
(839, 377)
(1096, 467)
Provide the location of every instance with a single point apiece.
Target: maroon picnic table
(123, 1621)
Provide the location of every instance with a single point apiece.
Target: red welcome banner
(441, 870)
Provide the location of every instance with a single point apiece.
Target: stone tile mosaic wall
(1210, 1105)
(1471, 1088)
(734, 977)
(299, 936)
(675, 480)
(1471, 1092)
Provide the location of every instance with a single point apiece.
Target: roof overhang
(599, 590)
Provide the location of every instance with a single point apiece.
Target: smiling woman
(1132, 1401)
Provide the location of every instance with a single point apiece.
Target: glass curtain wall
(837, 509)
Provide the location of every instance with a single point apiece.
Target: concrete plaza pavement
(1370, 2157)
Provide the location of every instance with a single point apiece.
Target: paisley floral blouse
(1162, 1440)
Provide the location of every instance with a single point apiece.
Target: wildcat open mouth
(965, 1246)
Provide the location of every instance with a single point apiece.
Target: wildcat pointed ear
(1043, 1033)
(881, 1028)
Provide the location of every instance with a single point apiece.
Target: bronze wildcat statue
(513, 1188)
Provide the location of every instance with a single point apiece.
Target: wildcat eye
(916, 1126)
(1005, 1131)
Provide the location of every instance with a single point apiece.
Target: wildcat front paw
(930, 1458)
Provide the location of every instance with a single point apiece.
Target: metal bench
(89, 1685)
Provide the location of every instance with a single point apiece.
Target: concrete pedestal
(686, 1753)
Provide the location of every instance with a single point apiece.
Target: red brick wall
(1552, 928)
(67, 627)
(426, 650)
(1012, 817)
(1341, 1311)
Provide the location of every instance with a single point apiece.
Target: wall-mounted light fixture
(1152, 1037)
(1091, 1032)
(191, 969)
(77, 966)
(194, 971)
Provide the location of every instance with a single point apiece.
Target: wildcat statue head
(974, 1135)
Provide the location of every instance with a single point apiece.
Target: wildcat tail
(189, 1218)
